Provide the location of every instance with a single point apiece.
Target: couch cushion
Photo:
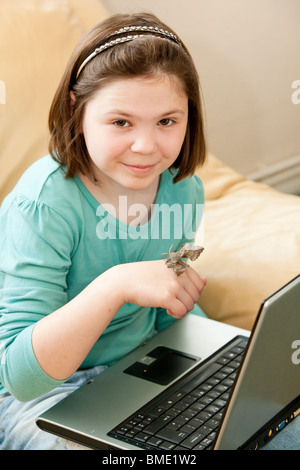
(218, 178)
(251, 240)
(36, 40)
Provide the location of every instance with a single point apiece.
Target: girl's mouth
(139, 168)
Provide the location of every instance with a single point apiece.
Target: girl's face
(134, 130)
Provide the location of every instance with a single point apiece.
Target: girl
(82, 277)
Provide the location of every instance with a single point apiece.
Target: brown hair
(149, 55)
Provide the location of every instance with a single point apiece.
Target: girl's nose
(144, 143)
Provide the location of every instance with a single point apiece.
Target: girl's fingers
(193, 283)
(191, 287)
(187, 300)
(177, 309)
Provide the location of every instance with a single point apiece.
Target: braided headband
(128, 29)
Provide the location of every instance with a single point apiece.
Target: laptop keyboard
(186, 416)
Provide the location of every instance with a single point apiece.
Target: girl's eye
(121, 123)
(166, 122)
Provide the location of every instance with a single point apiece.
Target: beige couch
(251, 232)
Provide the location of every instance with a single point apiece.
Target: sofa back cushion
(36, 40)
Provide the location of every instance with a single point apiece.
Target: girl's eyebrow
(126, 114)
(175, 111)
(118, 111)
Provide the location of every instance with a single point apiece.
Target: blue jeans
(18, 430)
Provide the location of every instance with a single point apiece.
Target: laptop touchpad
(162, 365)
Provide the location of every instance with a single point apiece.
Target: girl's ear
(72, 102)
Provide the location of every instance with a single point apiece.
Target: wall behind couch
(247, 54)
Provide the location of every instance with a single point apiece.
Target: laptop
(198, 384)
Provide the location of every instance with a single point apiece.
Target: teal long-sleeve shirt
(55, 238)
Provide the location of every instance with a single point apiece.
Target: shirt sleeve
(36, 244)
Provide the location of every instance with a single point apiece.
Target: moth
(175, 261)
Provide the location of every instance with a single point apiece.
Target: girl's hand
(153, 284)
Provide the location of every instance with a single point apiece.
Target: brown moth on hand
(175, 261)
